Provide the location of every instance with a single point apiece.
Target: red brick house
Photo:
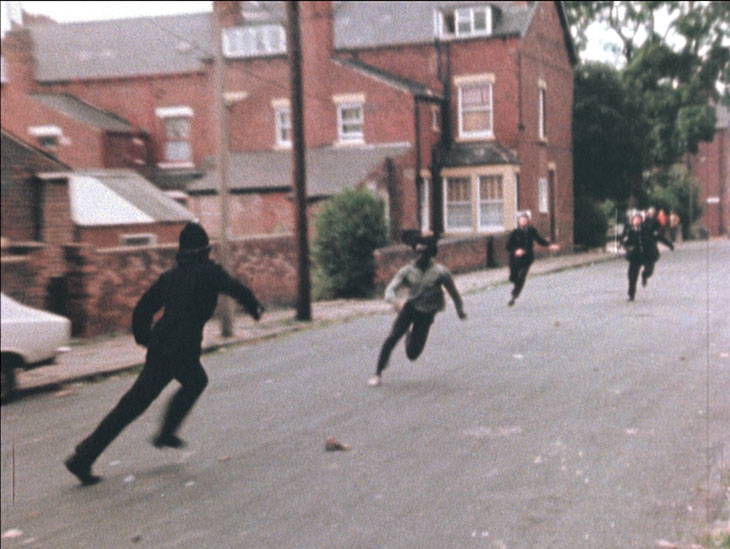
(711, 169)
(457, 113)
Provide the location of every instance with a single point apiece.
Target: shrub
(350, 227)
(590, 223)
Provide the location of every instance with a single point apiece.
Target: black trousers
(634, 268)
(159, 370)
(419, 324)
(518, 270)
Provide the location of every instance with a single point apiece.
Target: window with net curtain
(177, 133)
(458, 203)
(475, 110)
(491, 202)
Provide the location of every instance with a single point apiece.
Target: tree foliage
(350, 227)
(674, 64)
(608, 132)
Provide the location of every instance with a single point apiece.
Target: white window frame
(41, 133)
(3, 71)
(541, 112)
(254, 41)
(461, 15)
(280, 111)
(481, 134)
(424, 190)
(482, 226)
(176, 112)
(349, 136)
(458, 228)
(543, 196)
(126, 239)
(435, 118)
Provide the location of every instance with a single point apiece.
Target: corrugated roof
(329, 169)
(116, 197)
(373, 24)
(79, 110)
(122, 47)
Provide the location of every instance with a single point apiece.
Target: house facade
(711, 170)
(457, 113)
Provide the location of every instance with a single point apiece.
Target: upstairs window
(254, 41)
(177, 124)
(3, 71)
(541, 116)
(350, 122)
(283, 126)
(475, 110)
(465, 22)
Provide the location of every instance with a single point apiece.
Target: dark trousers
(158, 371)
(634, 268)
(518, 270)
(416, 338)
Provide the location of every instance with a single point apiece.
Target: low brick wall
(103, 286)
(22, 275)
(458, 254)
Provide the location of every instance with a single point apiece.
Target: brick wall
(103, 286)
(21, 275)
(459, 255)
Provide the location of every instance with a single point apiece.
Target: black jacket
(638, 243)
(655, 231)
(524, 238)
(189, 293)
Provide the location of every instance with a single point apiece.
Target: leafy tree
(674, 189)
(590, 222)
(675, 61)
(350, 227)
(608, 131)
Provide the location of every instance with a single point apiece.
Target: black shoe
(81, 471)
(631, 298)
(168, 441)
(643, 280)
(511, 302)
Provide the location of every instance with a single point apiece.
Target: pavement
(89, 359)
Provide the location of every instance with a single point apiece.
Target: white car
(30, 337)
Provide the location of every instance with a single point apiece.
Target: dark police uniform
(519, 266)
(189, 293)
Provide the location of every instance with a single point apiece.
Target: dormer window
(254, 41)
(465, 22)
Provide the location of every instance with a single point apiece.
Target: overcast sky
(89, 11)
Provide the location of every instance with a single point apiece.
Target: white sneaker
(375, 381)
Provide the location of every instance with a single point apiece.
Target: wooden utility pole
(221, 110)
(304, 305)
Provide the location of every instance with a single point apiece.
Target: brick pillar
(82, 268)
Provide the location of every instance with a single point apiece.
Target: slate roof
(329, 169)
(478, 154)
(176, 44)
(374, 24)
(117, 197)
(416, 89)
(122, 47)
(74, 108)
(17, 156)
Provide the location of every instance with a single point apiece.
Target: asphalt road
(574, 419)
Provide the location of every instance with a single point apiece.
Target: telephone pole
(226, 306)
(304, 305)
